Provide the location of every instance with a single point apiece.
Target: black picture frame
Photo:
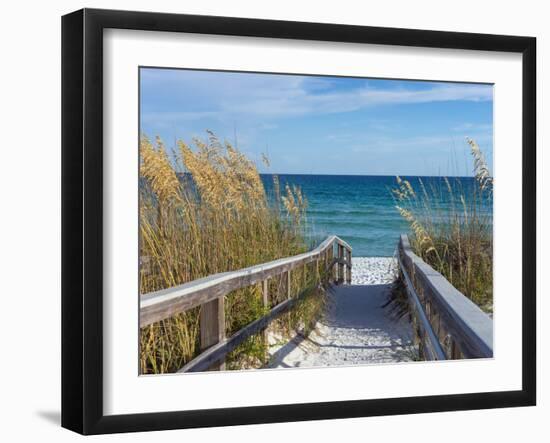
(82, 217)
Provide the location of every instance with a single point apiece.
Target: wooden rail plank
(217, 352)
(209, 293)
(341, 259)
(265, 301)
(163, 304)
(467, 324)
(435, 352)
(348, 266)
(331, 268)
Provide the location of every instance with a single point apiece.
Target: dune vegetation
(451, 228)
(204, 210)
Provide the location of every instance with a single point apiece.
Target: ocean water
(360, 209)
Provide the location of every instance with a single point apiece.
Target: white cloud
(298, 101)
(231, 95)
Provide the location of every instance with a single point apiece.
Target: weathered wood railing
(447, 324)
(209, 293)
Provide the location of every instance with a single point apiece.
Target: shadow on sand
(357, 308)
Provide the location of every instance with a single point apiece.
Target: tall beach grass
(452, 229)
(204, 210)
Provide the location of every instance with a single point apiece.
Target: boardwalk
(356, 330)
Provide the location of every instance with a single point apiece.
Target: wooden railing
(447, 324)
(209, 293)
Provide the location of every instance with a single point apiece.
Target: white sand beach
(356, 328)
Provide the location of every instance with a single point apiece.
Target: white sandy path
(357, 329)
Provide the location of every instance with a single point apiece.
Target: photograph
(271, 221)
(302, 221)
(247, 220)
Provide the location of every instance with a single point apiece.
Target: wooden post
(436, 324)
(349, 267)
(288, 287)
(455, 350)
(265, 300)
(317, 275)
(333, 269)
(446, 344)
(416, 334)
(422, 345)
(212, 325)
(340, 264)
(326, 273)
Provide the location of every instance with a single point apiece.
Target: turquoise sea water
(360, 209)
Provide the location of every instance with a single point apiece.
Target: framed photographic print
(269, 221)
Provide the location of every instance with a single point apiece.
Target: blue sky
(323, 125)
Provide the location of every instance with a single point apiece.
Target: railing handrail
(466, 322)
(159, 305)
(434, 347)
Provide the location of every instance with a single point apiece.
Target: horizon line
(358, 175)
(367, 175)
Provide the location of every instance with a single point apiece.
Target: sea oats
(455, 239)
(481, 170)
(215, 218)
(156, 168)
